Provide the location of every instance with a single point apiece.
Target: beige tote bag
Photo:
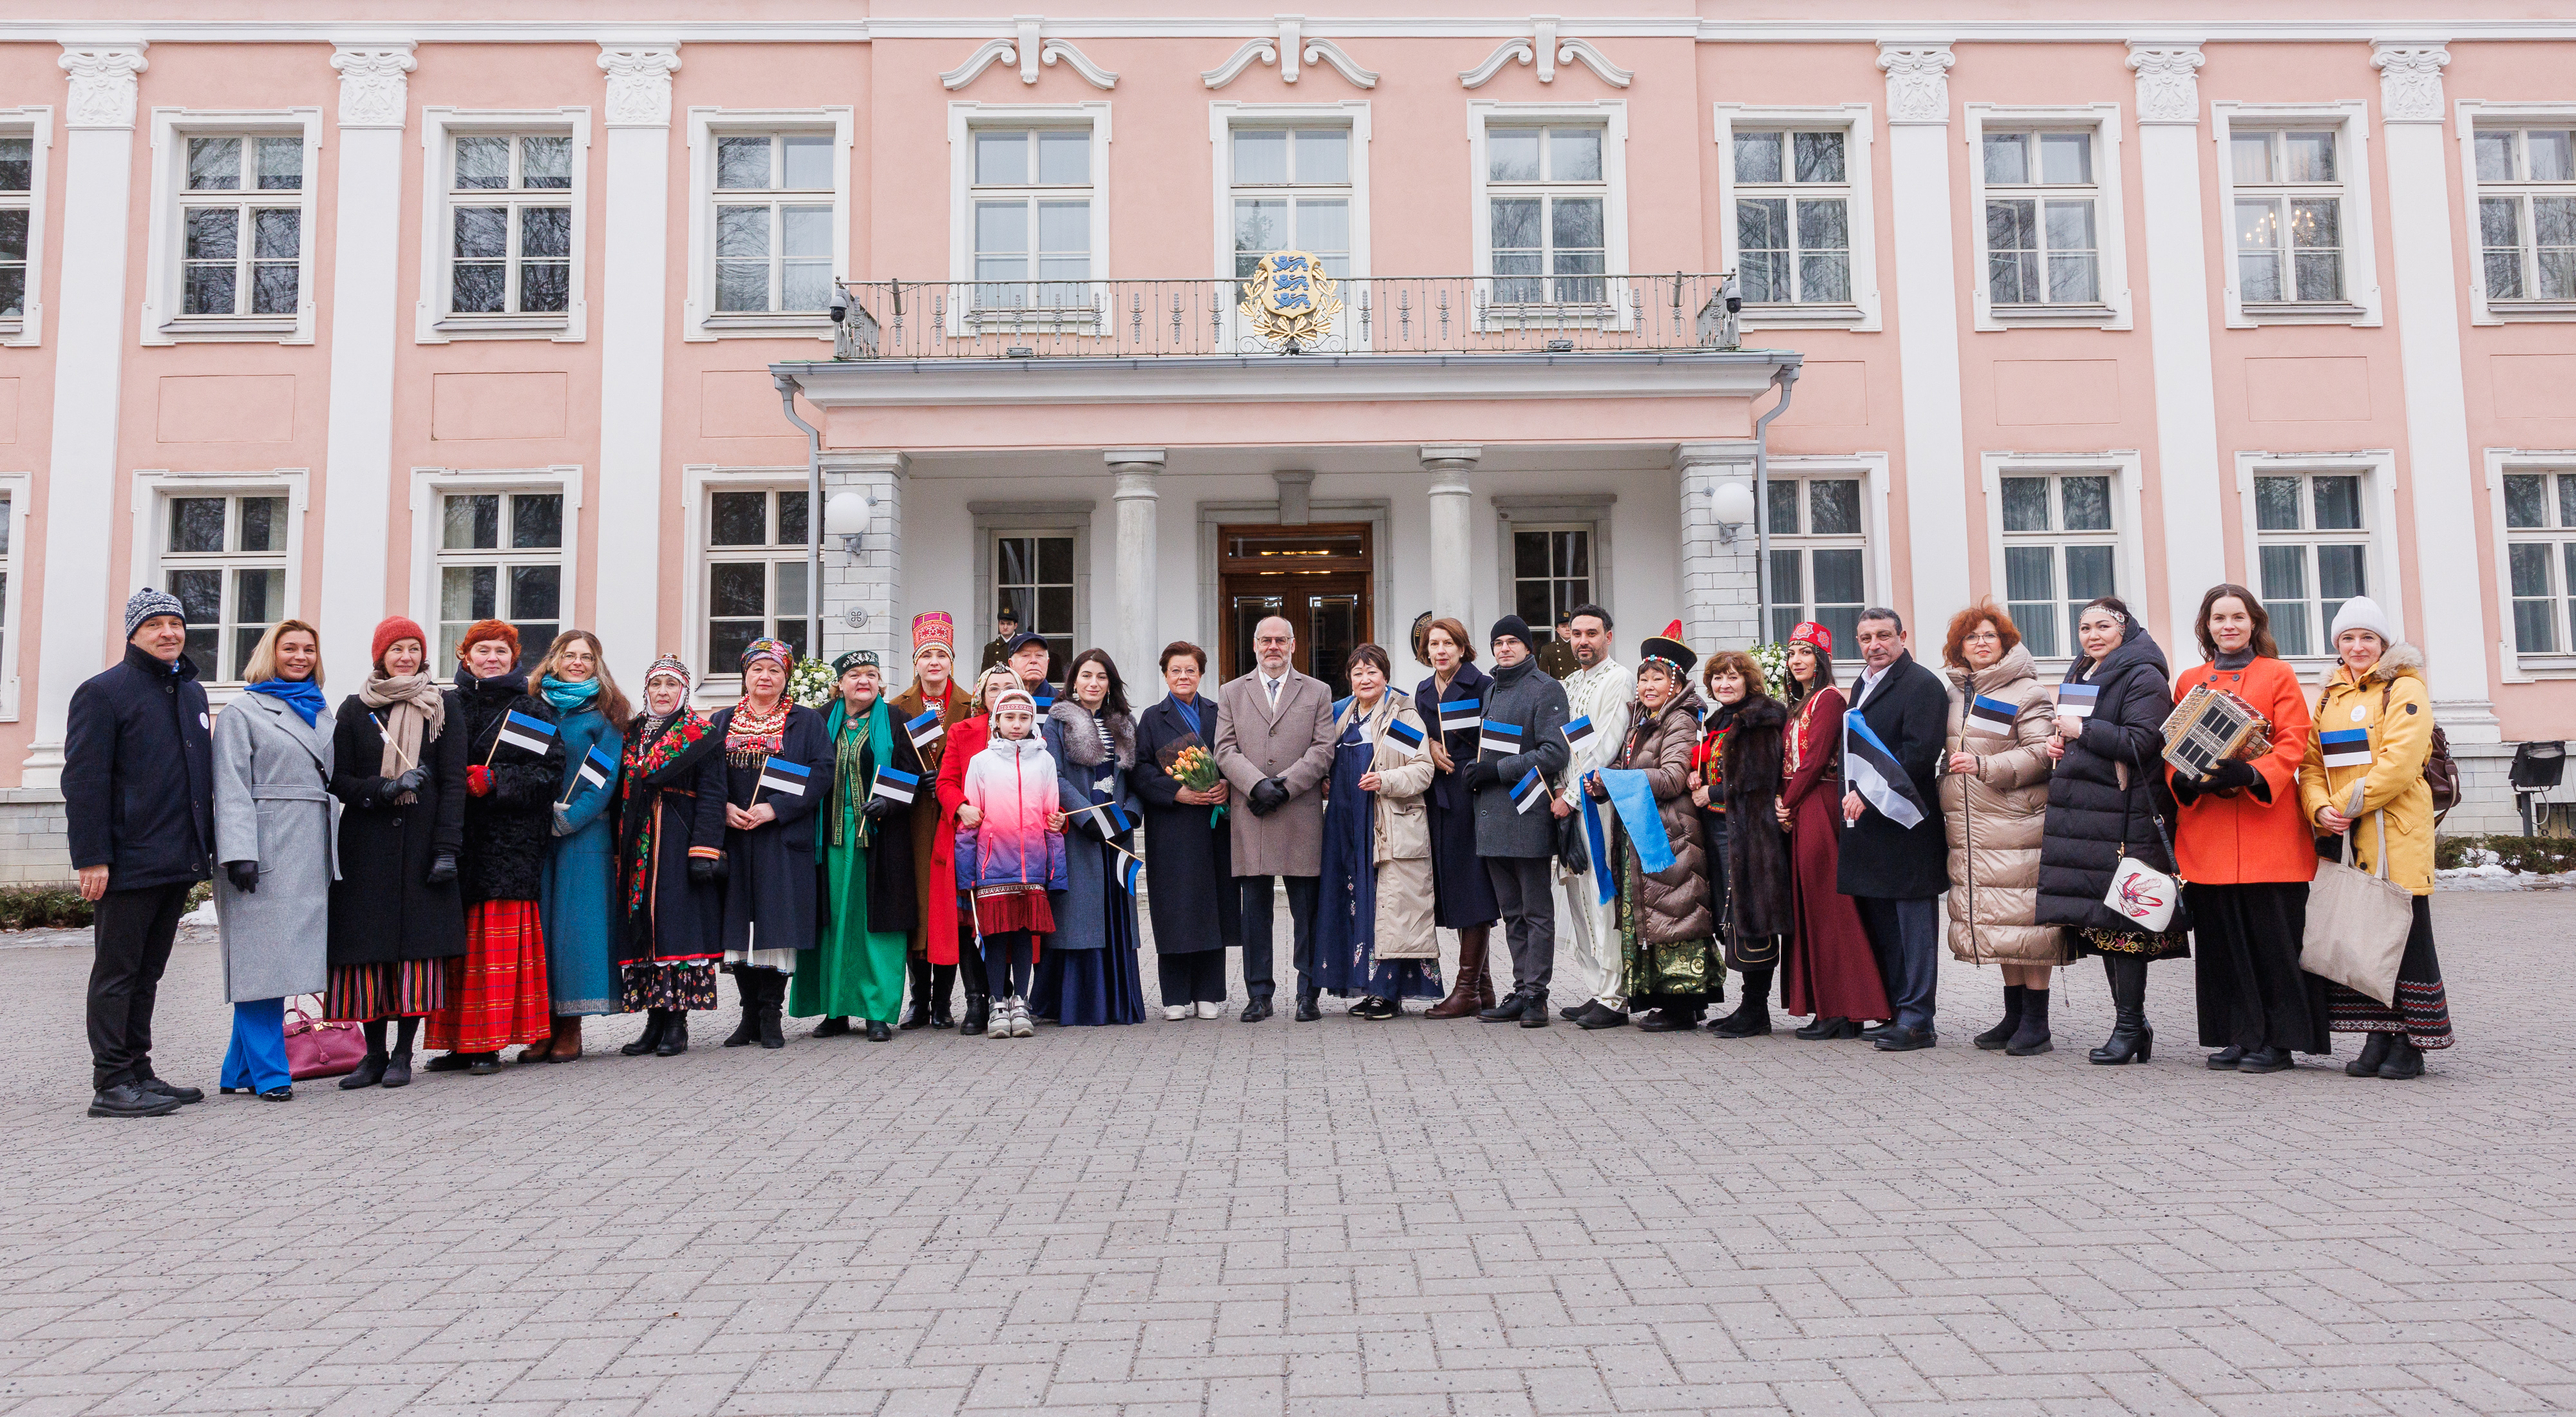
(2357, 923)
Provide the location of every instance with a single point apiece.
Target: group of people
(480, 858)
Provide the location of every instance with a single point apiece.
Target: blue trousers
(1906, 937)
(257, 1057)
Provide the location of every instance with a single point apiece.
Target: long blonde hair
(262, 663)
(612, 701)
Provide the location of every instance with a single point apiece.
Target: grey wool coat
(1534, 703)
(1293, 743)
(273, 805)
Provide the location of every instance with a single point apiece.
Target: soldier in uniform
(1558, 661)
(1006, 625)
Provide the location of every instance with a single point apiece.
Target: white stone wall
(869, 587)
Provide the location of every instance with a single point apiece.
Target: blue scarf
(297, 694)
(569, 698)
(1188, 709)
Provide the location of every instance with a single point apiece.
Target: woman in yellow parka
(2364, 774)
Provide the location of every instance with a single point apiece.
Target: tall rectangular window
(1292, 191)
(1793, 217)
(1547, 200)
(17, 216)
(2289, 214)
(1552, 572)
(773, 227)
(1033, 574)
(1819, 556)
(2041, 219)
(2540, 560)
(500, 557)
(2060, 551)
(510, 224)
(241, 224)
(1031, 204)
(224, 557)
(2312, 554)
(2526, 184)
(755, 566)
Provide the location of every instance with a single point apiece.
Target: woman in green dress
(864, 845)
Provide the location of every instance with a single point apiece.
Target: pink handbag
(316, 1049)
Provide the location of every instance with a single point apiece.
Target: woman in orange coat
(2247, 854)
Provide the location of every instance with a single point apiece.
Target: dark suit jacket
(1909, 710)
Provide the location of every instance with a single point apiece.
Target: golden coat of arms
(1290, 301)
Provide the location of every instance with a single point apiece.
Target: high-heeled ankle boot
(655, 1020)
(675, 1035)
(2132, 1040)
(2002, 1033)
(1752, 1016)
(371, 1069)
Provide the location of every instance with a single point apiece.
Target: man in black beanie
(1523, 732)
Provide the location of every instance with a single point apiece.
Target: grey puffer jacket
(1534, 703)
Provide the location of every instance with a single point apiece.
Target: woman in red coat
(964, 742)
(1826, 968)
(2247, 854)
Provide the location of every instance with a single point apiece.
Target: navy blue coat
(139, 774)
(1462, 896)
(1909, 710)
(1189, 862)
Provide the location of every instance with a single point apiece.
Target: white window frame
(1587, 512)
(2127, 471)
(2469, 116)
(699, 318)
(699, 482)
(963, 119)
(439, 130)
(161, 322)
(1877, 576)
(153, 490)
(28, 329)
(2116, 311)
(2349, 121)
(1065, 518)
(428, 484)
(1611, 115)
(2377, 469)
(2521, 668)
(1857, 123)
(19, 488)
(1224, 117)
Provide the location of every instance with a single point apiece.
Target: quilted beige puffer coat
(1994, 817)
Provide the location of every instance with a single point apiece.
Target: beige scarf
(419, 712)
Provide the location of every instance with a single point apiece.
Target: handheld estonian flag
(1462, 715)
(2078, 699)
(597, 768)
(924, 730)
(1992, 715)
(1530, 792)
(1108, 807)
(1131, 869)
(780, 775)
(1875, 774)
(896, 785)
(2345, 748)
(533, 735)
(1503, 738)
(1579, 730)
(1404, 733)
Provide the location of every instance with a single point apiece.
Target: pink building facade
(350, 312)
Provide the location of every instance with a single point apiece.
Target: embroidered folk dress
(670, 812)
(855, 969)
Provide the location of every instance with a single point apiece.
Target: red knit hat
(482, 630)
(395, 627)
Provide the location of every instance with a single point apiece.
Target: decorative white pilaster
(80, 477)
(2455, 634)
(2187, 456)
(1936, 475)
(1721, 592)
(1139, 502)
(625, 608)
(358, 472)
(1453, 505)
(863, 596)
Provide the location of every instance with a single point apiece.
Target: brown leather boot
(540, 1050)
(567, 1040)
(1472, 979)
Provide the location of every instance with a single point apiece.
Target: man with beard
(1599, 691)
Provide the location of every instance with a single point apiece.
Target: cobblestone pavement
(1215, 1218)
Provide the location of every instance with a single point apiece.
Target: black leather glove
(702, 870)
(411, 781)
(1268, 796)
(244, 876)
(1481, 775)
(442, 868)
(2186, 790)
(879, 808)
(2231, 773)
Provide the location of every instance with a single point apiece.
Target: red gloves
(478, 781)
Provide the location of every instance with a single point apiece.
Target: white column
(2187, 457)
(1453, 507)
(1927, 325)
(1721, 597)
(625, 605)
(1139, 504)
(2454, 635)
(357, 480)
(89, 340)
(863, 595)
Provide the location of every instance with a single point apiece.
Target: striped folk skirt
(498, 997)
(367, 993)
(2423, 1011)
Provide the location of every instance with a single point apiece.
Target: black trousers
(133, 931)
(1302, 892)
(1194, 978)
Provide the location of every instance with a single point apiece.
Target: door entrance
(1319, 577)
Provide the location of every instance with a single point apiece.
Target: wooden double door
(1320, 578)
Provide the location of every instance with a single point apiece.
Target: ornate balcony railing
(1356, 315)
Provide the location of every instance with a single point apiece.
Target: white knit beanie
(2362, 613)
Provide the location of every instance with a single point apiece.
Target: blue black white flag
(896, 785)
(1877, 776)
(926, 729)
(1110, 810)
(2345, 748)
(1462, 715)
(2078, 699)
(1531, 791)
(1993, 715)
(1579, 730)
(597, 768)
(1503, 738)
(1131, 870)
(1404, 733)
(533, 735)
(780, 775)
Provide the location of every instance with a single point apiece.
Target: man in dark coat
(1527, 710)
(1895, 873)
(139, 793)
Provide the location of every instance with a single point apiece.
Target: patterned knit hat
(1014, 697)
(669, 666)
(855, 659)
(933, 627)
(146, 603)
(482, 630)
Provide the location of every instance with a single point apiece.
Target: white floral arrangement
(813, 683)
(1774, 659)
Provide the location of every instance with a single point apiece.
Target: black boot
(2374, 1052)
(746, 1031)
(2405, 1060)
(2002, 1033)
(1534, 1010)
(831, 1028)
(1752, 1017)
(675, 1035)
(1509, 1010)
(2131, 1040)
(942, 978)
(773, 1000)
(398, 1061)
(371, 1068)
(655, 1020)
(916, 972)
(2032, 1037)
(979, 1013)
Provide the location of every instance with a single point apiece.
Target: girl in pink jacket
(1010, 853)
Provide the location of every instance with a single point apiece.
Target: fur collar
(2402, 661)
(1082, 735)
